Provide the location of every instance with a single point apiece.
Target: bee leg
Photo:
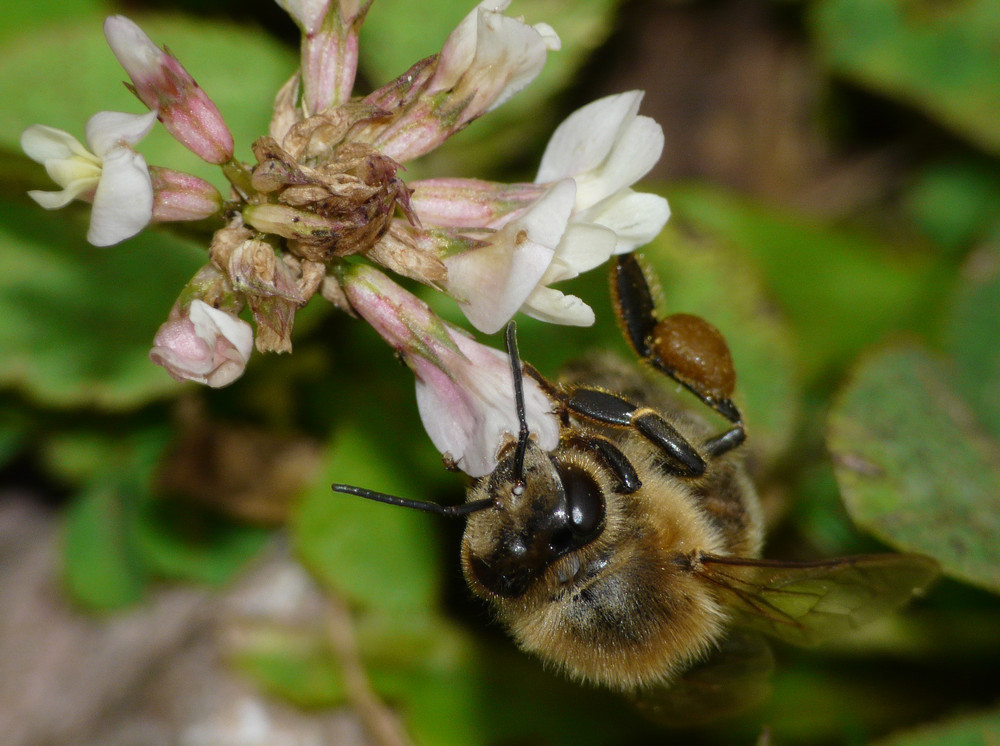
(615, 460)
(634, 305)
(724, 443)
(608, 409)
(683, 347)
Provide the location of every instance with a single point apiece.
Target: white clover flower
(110, 174)
(465, 390)
(468, 409)
(578, 213)
(487, 59)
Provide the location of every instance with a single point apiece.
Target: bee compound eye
(585, 503)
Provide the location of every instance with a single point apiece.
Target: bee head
(541, 513)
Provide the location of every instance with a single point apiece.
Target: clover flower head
(325, 199)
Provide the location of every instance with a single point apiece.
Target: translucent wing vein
(808, 602)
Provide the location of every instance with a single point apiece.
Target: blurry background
(173, 566)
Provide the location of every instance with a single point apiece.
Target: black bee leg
(682, 459)
(615, 460)
(634, 304)
(723, 444)
(686, 348)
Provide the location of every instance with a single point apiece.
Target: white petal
(447, 418)
(471, 412)
(517, 51)
(133, 48)
(458, 50)
(492, 282)
(308, 14)
(123, 203)
(583, 247)
(586, 136)
(635, 152)
(636, 218)
(183, 367)
(79, 174)
(549, 36)
(55, 200)
(107, 130)
(545, 221)
(463, 407)
(554, 307)
(42, 143)
(490, 57)
(209, 321)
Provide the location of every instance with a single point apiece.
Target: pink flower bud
(470, 203)
(203, 344)
(162, 83)
(179, 196)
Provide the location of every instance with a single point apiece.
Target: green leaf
(377, 556)
(21, 20)
(119, 535)
(80, 456)
(181, 541)
(955, 201)
(940, 57)
(16, 428)
(77, 322)
(819, 516)
(102, 567)
(913, 466)
(60, 75)
(972, 730)
(841, 290)
(845, 704)
(972, 332)
(292, 664)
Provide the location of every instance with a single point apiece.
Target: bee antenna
(381, 497)
(510, 340)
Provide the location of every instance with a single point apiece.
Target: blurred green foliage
(878, 342)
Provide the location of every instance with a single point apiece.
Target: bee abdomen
(626, 629)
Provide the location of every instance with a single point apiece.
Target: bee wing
(734, 678)
(808, 602)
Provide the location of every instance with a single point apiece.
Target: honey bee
(627, 555)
